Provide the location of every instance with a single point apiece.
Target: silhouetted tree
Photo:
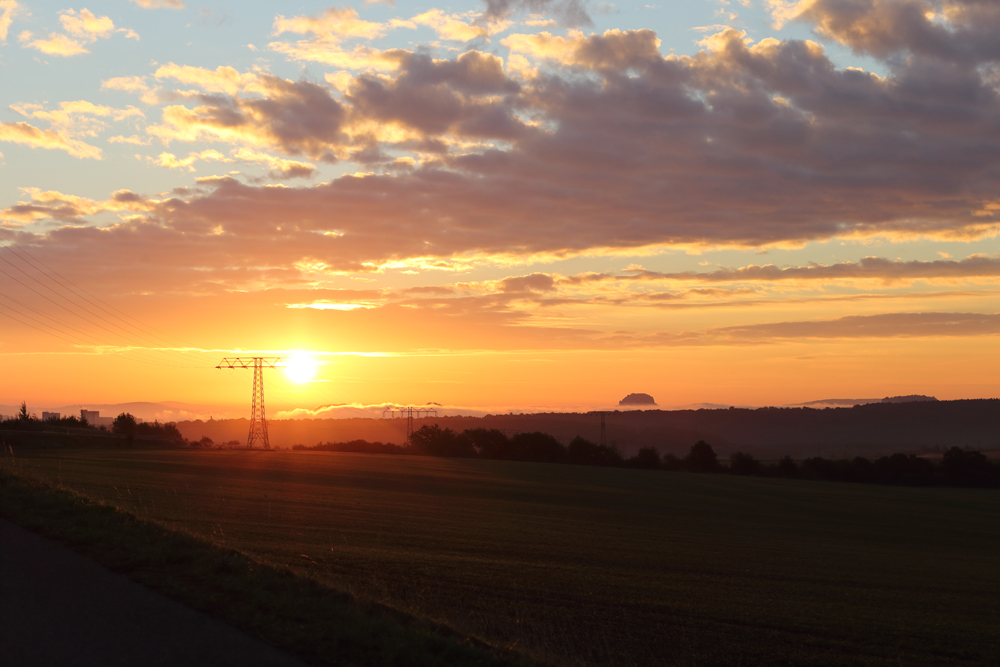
(436, 441)
(903, 469)
(585, 452)
(862, 470)
(787, 468)
(671, 462)
(702, 458)
(125, 424)
(962, 468)
(646, 458)
(581, 451)
(537, 446)
(488, 443)
(22, 414)
(743, 464)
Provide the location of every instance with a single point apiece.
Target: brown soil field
(595, 566)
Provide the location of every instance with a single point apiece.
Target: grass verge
(288, 611)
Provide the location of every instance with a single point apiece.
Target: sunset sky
(509, 204)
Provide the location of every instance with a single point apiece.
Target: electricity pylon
(258, 421)
(604, 437)
(408, 413)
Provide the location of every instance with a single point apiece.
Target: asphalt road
(58, 608)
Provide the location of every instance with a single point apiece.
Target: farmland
(581, 566)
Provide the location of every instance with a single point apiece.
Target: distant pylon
(408, 412)
(258, 418)
(604, 437)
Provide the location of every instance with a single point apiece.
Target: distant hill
(637, 399)
(851, 402)
(914, 398)
(873, 429)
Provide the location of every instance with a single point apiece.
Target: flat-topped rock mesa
(637, 399)
(914, 398)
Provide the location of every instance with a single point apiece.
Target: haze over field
(499, 205)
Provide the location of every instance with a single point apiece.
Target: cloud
(281, 169)
(85, 25)
(171, 161)
(536, 282)
(130, 84)
(85, 28)
(889, 325)
(851, 327)
(8, 10)
(953, 30)
(361, 57)
(132, 139)
(157, 4)
(133, 84)
(869, 268)
(56, 45)
(612, 149)
(328, 31)
(294, 117)
(569, 12)
(332, 24)
(451, 26)
(465, 97)
(222, 79)
(614, 50)
(71, 209)
(79, 117)
(29, 135)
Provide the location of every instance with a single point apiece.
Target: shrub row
(957, 467)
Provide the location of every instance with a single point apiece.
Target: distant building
(49, 415)
(94, 418)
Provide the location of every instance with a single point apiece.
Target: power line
(178, 359)
(27, 257)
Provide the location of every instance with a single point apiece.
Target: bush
(435, 441)
(787, 468)
(487, 443)
(702, 458)
(538, 447)
(743, 464)
(962, 468)
(647, 458)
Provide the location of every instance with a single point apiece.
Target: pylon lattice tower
(408, 412)
(604, 432)
(258, 418)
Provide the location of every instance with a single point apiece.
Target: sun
(300, 368)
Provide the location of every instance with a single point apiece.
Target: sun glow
(300, 368)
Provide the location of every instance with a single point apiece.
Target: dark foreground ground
(595, 566)
(60, 608)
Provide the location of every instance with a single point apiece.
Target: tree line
(124, 424)
(957, 467)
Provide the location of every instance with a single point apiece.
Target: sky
(499, 204)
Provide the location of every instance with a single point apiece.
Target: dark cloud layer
(569, 12)
(883, 28)
(869, 268)
(881, 326)
(609, 146)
